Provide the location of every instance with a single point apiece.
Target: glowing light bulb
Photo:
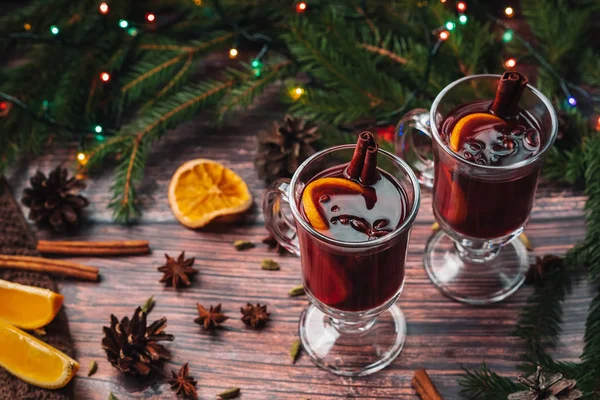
(3, 105)
(81, 157)
(572, 101)
(198, 2)
(463, 19)
(507, 36)
(450, 25)
(54, 30)
(132, 31)
(233, 52)
(257, 72)
(105, 76)
(27, 26)
(299, 91)
(301, 7)
(123, 23)
(103, 8)
(510, 63)
(98, 129)
(509, 11)
(443, 1)
(150, 17)
(444, 35)
(461, 6)
(255, 63)
(100, 138)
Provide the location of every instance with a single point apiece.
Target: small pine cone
(284, 147)
(54, 199)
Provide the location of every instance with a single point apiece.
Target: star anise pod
(544, 386)
(183, 383)
(542, 267)
(210, 319)
(254, 316)
(132, 347)
(178, 271)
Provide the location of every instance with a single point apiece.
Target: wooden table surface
(443, 335)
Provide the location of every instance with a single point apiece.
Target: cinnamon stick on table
(509, 91)
(54, 267)
(424, 387)
(84, 248)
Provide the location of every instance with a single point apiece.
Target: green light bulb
(54, 30)
(123, 23)
(132, 31)
(255, 63)
(463, 19)
(98, 129)
(507, 36)
(257, 72)
(100, 138)
(450, 25)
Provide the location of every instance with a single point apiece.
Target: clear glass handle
(414, 145)
(278, 216)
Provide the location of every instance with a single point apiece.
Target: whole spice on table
(54, 199)
(241, 245)
(178, 271)
(230, 393)
(50, 266)
(183, 383)
(255, 316)
(297, 291)
(133, 347)
(210, 318)
(547, 386)
(424, 386)
(269, 265)
(295, 349)
(93, 248)
(148, 305)
(93, 368)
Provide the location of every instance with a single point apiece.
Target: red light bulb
(105, 76)
(301, 7)
(150, 17)
(461, 6)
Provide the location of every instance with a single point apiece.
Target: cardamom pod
(230, 393)
(435, 226)
(93, 368)
(243, 245)
(111, 396)
(148, 305)
(269, 265)
(295, 350)
(523, 237)
(297, 291)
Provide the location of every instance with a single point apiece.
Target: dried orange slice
(320, 187)
(202, 190)
(34, 361)
(463, 126)
(42, 305)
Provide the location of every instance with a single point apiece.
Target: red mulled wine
(476, 206)
(346, 210)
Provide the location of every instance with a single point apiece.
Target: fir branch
(484, 384)
(384, 52)
(177, 78)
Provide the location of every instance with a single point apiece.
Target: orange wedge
(202, 190)
(320, 187)
(463, 126)
(34, 361)
(28, 307)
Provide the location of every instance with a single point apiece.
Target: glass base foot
(351, 352)
(470, 282)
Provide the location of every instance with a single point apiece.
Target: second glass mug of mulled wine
(480, 149)
(352, 238)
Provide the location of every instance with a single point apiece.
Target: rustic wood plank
(443, 335)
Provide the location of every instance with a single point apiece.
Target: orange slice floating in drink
(325, 186)
(466, 124)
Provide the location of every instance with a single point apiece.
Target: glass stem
(477, 256)
(352, 327)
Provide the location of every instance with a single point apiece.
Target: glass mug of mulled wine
(480, 149)
(347, 212)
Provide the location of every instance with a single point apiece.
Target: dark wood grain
(443, 335)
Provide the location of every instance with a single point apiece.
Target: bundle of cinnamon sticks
(364, 161)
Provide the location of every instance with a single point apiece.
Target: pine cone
(284, 147)
(547, 386)
(54, 199)
(133, 348)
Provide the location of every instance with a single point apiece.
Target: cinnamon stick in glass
(355, 167)
(369, 173)
(509, 91)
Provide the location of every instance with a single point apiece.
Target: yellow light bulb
(509, 11)
(81, 157)
(233, 52)
(27, 27)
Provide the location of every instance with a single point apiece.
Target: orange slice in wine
(466, 124)
(321, 187)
